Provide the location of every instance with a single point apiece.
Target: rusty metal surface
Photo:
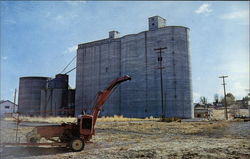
(52, 131)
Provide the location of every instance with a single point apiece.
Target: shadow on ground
(16, 152)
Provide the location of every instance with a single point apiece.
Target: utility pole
(160, 60)
(14, 101)
(225, 99)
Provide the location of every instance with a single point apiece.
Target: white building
(6, 107)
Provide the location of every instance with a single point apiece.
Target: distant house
(203, 111)
(7, 107)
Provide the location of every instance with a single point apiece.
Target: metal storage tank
(57, 99)
(29, 96)
(101, 61)
(61, 82)
(54, 99)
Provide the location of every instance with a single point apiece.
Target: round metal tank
(29, 96)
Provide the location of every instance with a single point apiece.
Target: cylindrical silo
(178, 83)
(161, 82)
(29, 96)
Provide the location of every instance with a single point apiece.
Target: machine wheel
(33, 136)
(76, 144)
(33, 140)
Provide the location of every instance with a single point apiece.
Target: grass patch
(60, 120)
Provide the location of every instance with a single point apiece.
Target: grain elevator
(101, 61)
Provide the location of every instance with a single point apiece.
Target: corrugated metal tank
(101, 61)
(29, 96)
(54, 99)
(60, 82)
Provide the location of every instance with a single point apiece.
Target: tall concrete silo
(101, 61)
(29, 96)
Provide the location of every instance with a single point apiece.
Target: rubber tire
(74, 144)
(33, 140)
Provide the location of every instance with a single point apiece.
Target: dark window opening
(153, 23)
(7, 107)
(87, 123)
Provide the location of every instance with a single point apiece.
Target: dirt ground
(143, 139)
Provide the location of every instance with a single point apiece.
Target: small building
(7, 107)
(202, 111)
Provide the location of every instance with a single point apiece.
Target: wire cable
(68, 65)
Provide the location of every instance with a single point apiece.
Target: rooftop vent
(156, 22)
(114, 34)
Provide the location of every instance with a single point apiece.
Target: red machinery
(74, 135)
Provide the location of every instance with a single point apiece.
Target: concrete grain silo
(56, 99)
(29, 96)
(101, 61)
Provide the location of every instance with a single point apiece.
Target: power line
(68, 64)
(70, 70)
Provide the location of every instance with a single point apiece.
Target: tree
(216, 98)
(230, 99)
(203, 100)
(245, 101)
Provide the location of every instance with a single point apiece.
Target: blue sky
(39, 38)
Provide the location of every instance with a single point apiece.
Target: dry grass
(60, 120)
(142, 139)
(161, 128)
(44, 120)
(121, 118)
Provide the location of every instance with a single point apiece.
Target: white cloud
(72, 49)
(76, 3)
(65, 18)
(236, 15)
(205, 8)
(239, 89)
(10, 21)
(196, 97)
(47, 14)
(59, 17)
(237, 70)
(4, 58)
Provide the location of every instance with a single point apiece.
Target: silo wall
(97, 65)
(101, 61)
(29, 96)
(52, 102)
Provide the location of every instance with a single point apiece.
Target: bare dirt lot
(143, 139)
